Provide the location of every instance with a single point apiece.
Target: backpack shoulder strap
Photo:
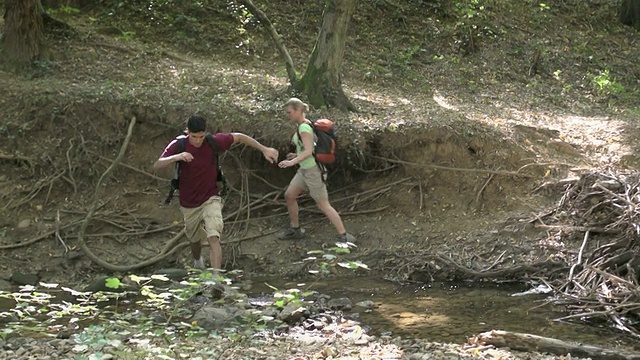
(214, 147)
(212, 143)
(182, 143)
(306, 122)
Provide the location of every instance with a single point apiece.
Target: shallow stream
(445, 312)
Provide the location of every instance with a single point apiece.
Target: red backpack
(324, 150)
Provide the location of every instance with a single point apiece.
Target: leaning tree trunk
(321, 81)
(630, 13)
(23, 40)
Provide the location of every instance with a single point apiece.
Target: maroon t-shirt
(198, 178)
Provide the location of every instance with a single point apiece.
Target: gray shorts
(310, 180)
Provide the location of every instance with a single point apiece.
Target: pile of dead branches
(602, 283)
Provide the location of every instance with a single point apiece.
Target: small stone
(330, 351)
(367, 304)
(340, 304)
(24, 223)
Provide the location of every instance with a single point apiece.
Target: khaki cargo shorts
(310, 180)
(204, 221)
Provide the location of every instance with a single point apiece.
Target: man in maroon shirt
(200, 202)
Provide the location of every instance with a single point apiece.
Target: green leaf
(113, 283)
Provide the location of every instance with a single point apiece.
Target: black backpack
(175, 182)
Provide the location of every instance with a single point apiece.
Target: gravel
(342, 340)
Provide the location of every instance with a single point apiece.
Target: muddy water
(454, 312)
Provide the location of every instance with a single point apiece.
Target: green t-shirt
(310, 161)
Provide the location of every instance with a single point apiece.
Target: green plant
(470, 9)
(331, 258)
(127, 35)
(603, 84)
(64, 10)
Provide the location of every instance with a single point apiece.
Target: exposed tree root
(94, 205)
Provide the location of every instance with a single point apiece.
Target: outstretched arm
(270, 154)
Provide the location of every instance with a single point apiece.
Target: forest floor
(462, 120)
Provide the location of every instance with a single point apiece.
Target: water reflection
(445, 312)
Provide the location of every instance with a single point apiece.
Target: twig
(440, 167)
(248, 237)
(25, 159)
(71, 168)
(579, 261)
(36, 239)
(483, 187)
(545, 164)
(66, 249)
(252, 173)
(420, 190)
(495, 262)
(597, 313)
(570, 228)
(34, 192)
(137, 170)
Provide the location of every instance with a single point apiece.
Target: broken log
(535, 343)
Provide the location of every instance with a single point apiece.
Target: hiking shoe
(291, 233)
(347, 238)
(199, 263)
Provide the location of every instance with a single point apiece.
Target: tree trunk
(321, 81)
(629, 13)
(23, 32)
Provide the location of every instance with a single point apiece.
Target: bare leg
(291, 197)
(196, 250)
(215, 252)
(331, 214)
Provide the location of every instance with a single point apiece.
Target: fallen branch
(535, 343)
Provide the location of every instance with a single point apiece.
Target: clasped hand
(287, 163)
(184, 156)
